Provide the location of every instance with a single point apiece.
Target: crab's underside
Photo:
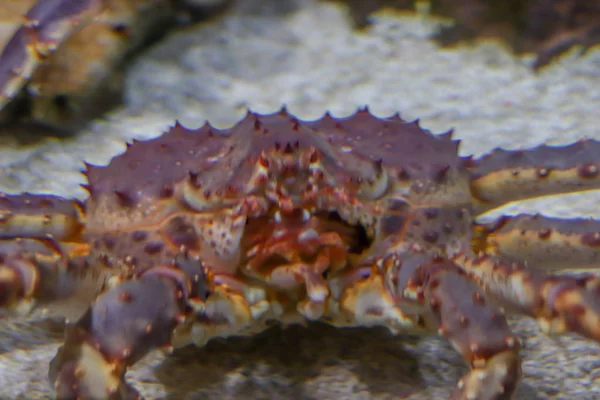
(356, 221)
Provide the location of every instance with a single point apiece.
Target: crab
(354, 221)
(71, 53)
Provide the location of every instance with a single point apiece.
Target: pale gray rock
(304, 54)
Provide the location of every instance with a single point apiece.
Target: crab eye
(199, 198)
(375, 187)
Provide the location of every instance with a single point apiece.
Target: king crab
(357, 221)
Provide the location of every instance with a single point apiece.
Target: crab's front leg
(477, 330)
(121, 327)
(123, 324)
(435, 294)
(167, 306)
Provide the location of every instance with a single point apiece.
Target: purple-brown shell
(220, 160)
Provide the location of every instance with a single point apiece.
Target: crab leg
(549, 243)
(458, 310)
(40, 216)
(87, 89)
(46, 24)
(48, 275)
(440, 297)
(167, 306)
(122, 326)
(42, 260)
(505, 176)
(559, 303)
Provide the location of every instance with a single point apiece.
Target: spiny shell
(355, 146)
(189, 187)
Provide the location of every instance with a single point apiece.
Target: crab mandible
(356, 221)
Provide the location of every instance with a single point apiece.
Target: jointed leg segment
(510, 249)
(559, 303)
(503, 176)
(46, 24)
(42, 274)
(476, 329)
(42, 257)
(515, 251)
(539, 241)
(122, 326)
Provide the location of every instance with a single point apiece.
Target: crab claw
(123, 325)
(81, 372)
(435, 294)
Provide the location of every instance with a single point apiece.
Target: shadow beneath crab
(290, 363)
(317, 362)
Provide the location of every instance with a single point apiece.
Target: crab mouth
(359, 241)
(306, 242)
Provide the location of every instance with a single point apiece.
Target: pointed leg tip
(79, 371)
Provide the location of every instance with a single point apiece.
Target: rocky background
(305, 54)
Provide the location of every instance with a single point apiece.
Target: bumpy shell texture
(360, 165)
